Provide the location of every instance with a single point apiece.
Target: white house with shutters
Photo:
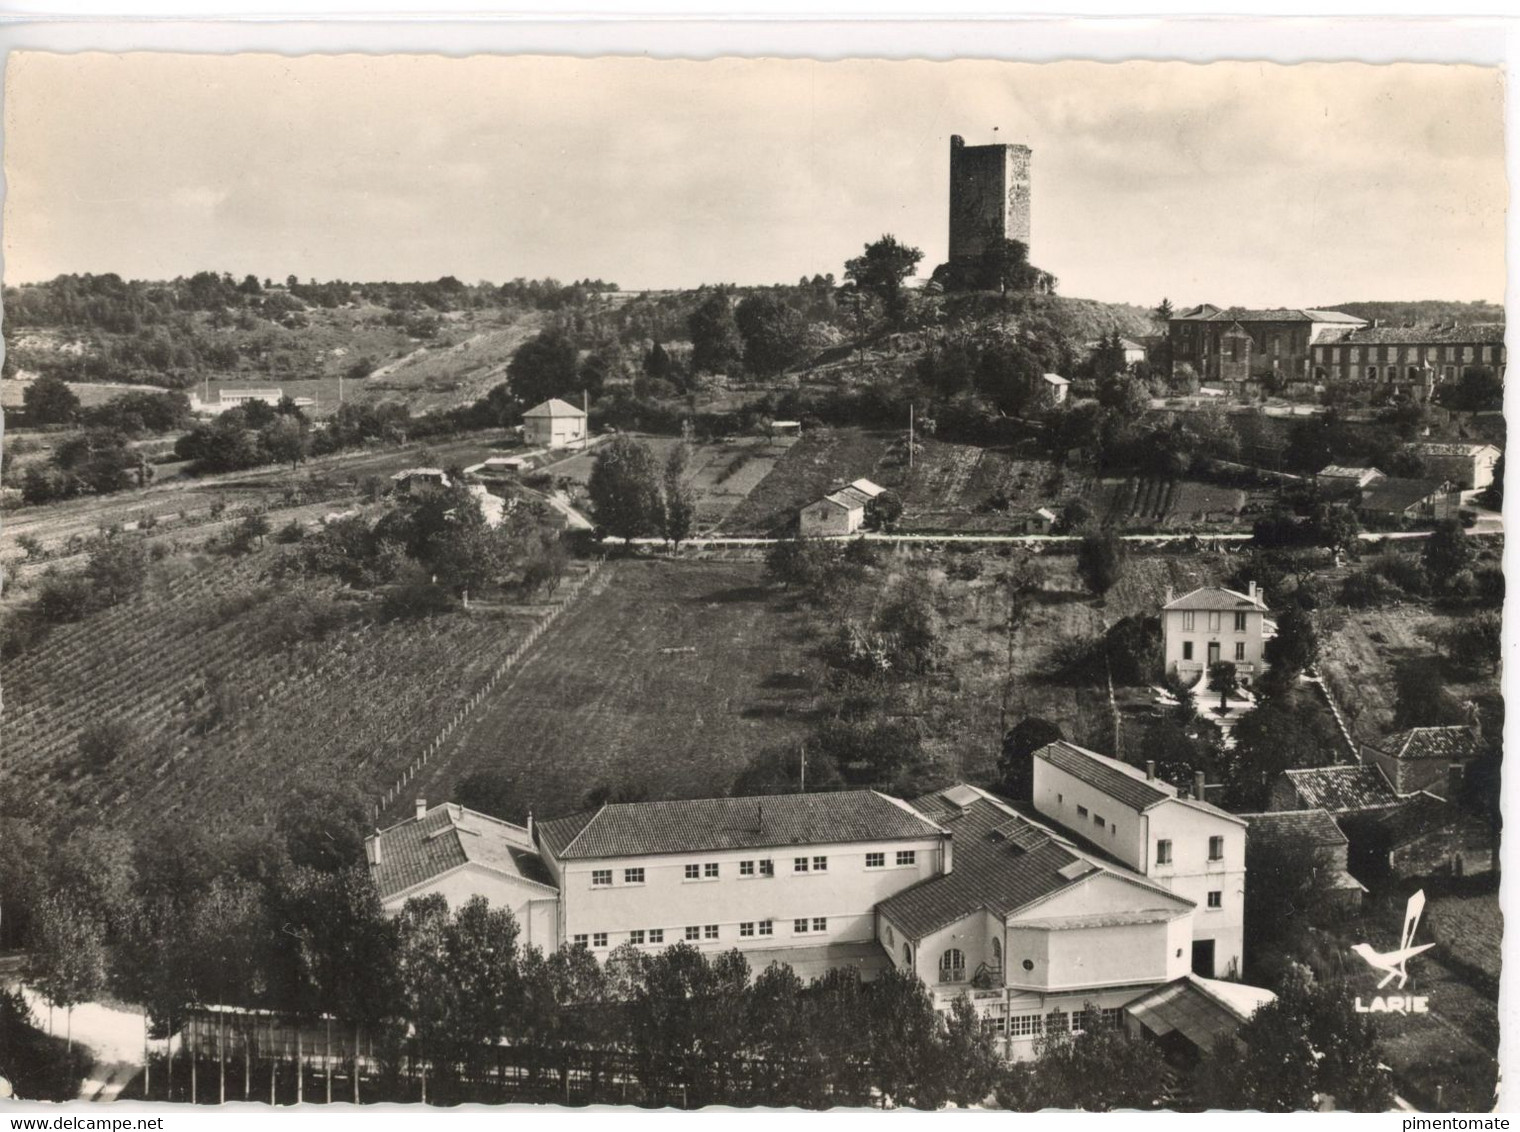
(1212, 624)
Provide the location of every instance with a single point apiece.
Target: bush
(66, 598)
(1363, 589)
(415, 595)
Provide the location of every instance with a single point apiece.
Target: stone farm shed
(840, 512)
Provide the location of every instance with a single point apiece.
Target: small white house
(554, 424)
(1058, 386)
(839, 513)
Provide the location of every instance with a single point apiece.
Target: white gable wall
(535, 906)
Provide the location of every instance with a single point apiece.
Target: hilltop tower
(989, 196)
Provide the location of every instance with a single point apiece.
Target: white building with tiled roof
(1031, 925)
(840, 512)
(764, 875)
(554, 424)
(1213, 624)
(1180, 842)
(458, 853)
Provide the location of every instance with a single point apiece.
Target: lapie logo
(1395, 965)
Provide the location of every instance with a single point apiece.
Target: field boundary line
(562, 602)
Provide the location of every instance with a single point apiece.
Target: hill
(1423, 312)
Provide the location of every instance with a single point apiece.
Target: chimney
(530, 825)
(1200, 780)
(947, 844)
(1170, 597)
(1150, 770)
(421, 808)
(372, 847)
(1251, 590)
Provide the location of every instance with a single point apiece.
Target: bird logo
(1395, 964)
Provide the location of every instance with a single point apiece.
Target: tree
(1100, 561)
(1163, 312)
(1180, 750)
(1289, 890)
(287, 440)
(969, 1057)
(1280, 734)
(49, 400)
(1224, 680)
(1004, 266)
(1311, 1041)
(680, 510)
(1421, 697)
(716, 345)
(902, 1027)
(1473, 644)
(66, 954)
(1478, 390)
(1294, 648)
(773, 333)
(884, 510)
(544, 366)
(625, 489)
(1097, 1068)
(117, 569)
(1016, 762)
(1446, 552)
(881, 270)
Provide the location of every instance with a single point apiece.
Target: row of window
(1098, 819)
(1056, 1022)
(1164, 850)
(701, 933)
(1187, 650)
(765, 867)
(1189, 620)
(1411, 353)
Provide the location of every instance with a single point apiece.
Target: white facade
(1191, 848)
(829, 517)
(1210, 625)
(554, 424)
(750, 899)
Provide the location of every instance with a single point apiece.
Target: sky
(1252, 184)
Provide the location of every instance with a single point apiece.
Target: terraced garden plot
(820, 461)
(665, 676)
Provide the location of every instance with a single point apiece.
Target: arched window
(952, 966)
(891, 940)
(907, 955)
(997, 953)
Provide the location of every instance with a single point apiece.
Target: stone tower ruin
(989, 196)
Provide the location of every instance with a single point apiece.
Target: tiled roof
(1217, 597)
(1452, 743)
(1474, 332)
(447, 837)
(699, 825)
(554, 407)
(1120, 781)
(849, 497)
(1396, 494)
(1436, 448)
(1422, 814)
(1340, 789)
(1347, 472)
(1314, 826)
(1003, 861)
(1274, 314)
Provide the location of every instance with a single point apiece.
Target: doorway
(1203, 958)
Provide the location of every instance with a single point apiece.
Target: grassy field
(1471, 927)
(664, 676)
